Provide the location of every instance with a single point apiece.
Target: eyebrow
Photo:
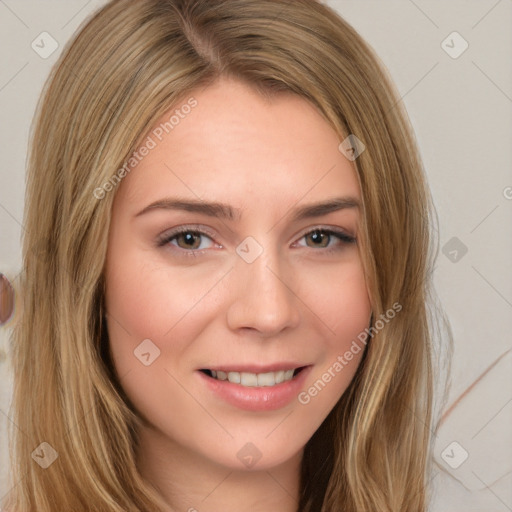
(225, 211)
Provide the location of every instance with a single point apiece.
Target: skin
(295, 302)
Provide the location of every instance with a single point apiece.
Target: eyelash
(167, 238)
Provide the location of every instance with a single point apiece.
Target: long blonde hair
(127, 65)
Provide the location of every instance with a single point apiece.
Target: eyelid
(171, 233)
(326, 227)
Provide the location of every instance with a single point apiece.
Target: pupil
(189, 239)
(317, 236)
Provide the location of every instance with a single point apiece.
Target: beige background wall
(459, 100)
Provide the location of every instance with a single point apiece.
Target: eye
(322, 237)
(186, 238)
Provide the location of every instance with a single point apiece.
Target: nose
(264, 299)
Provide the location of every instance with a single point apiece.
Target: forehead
(236, 146)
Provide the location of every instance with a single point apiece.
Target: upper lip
(254, 368)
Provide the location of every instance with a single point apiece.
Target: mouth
(248, 379)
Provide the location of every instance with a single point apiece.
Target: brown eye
(319, 237)
(186, 240)
(191, 240)
(322, 238)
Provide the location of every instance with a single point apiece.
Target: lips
(255, 391)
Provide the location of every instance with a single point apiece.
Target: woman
(261, 369)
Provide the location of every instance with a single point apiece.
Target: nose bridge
(267, 271)
(264, 300)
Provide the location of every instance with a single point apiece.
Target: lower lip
(266, 398)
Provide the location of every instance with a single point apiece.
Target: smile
(263, 388)
(249, 379)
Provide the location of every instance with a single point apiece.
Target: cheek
(149, 300)
(339, 299)
(145, 300)
(343, 309)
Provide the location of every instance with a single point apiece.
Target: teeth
(234, 377)
(266, 379)
(248, 379)
(254, 379)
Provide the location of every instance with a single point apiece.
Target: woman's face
(254, 289)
